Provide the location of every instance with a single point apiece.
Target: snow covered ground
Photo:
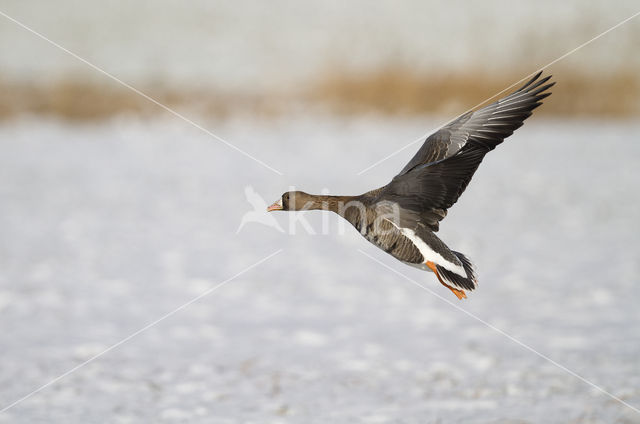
(105, 228)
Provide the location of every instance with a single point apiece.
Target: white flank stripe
(428, 253)
(431, 255)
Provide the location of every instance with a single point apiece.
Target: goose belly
(429, 254)
(397, 245)
(405, 245)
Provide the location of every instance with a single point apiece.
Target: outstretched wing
(441, 170)
(437, 185)
(489, 125)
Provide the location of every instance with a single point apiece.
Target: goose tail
(468, 283)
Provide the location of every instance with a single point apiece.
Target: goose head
(293, 201)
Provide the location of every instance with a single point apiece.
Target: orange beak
(277, 206)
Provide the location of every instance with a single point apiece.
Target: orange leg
(460, 294)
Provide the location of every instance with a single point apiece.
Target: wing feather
(436, 185)
(492, 124)
(438, 174)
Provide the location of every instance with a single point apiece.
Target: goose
(402, 217)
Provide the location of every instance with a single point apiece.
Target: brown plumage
(402, 217)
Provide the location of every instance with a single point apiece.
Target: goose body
(402, 217)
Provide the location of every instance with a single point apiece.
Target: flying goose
(402, 217)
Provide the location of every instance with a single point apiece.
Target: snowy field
(105, 228)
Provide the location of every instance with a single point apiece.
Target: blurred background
(220, 58)
(114, 212)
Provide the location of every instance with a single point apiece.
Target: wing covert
(489, 125)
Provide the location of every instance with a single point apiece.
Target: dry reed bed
(388, 91)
